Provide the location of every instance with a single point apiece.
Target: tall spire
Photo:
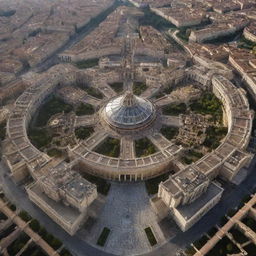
(129, 99)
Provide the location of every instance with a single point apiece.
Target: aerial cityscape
(128, 127)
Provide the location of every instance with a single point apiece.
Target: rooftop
(129, 111)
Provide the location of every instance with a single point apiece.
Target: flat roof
(188, 211)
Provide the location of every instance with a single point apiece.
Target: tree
(56, 243)
(42, 232)
(84, 109)
(25, 216)
(35, 225)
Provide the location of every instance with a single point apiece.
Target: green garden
(144, 147)
(83, 64)
(110, 147)
(83, 133)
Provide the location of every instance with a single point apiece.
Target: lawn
(84, 109)
(117, 87)
(169, 132)
(39, 137)
(214, 135)
(144, 147)
(83, 133)
(208, 104)
(110, 147)
(83, 64)
(191, 156)
(103, 236)
(139, 88)
(150, 236)
(54, 152)
(51, 107)
(175, 109)
(94, 92)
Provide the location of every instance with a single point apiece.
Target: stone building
(63, 195)
(189, 195)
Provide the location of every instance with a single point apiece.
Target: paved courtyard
(127, 213)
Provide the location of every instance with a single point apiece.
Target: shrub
(54, 152)
(65, 252)
(103, 236)
(25, 216)
(83, 64)
(83, 133)
(208, 104)
(13, 207)
(94, 92)
(110, 147)
(139, 87)
(214, 135)
(42, 232)
(150, 236)
(40, 138)
(84, 109)
(117, 87)
(55, 243)
(144, 147)
(51, 107)
(35, 225)
(169, 132)
(175, 109)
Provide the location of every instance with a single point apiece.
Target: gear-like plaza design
(130, 134)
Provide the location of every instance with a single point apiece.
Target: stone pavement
(127, 213)
(127, 150)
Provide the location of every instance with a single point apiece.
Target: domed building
(129, 112)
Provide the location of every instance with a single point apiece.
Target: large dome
(129, 112)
